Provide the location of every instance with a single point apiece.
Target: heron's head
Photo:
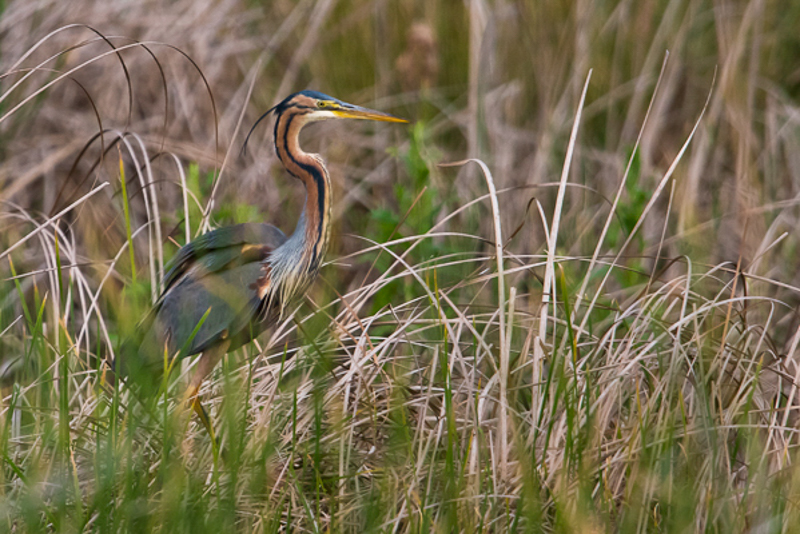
(315, 106)
(312, 106)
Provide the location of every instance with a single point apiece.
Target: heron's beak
(357, 112)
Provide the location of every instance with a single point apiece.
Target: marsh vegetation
(590, 327)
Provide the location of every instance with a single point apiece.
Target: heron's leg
(208, 361)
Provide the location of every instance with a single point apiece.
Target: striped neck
(310, 238)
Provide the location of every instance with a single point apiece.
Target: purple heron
(225, 287)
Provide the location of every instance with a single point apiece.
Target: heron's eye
(322, 104)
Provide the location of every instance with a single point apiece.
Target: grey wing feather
(220, 244)
(214, 280)
(222, 305)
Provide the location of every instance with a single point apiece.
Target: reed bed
(564, 299)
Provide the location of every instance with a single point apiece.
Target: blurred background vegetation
(498, 80)
(494, 80)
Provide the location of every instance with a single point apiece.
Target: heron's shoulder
(239, 234)
(214, 250)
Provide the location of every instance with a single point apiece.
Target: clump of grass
(494, 361)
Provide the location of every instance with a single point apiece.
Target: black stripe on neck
(315, 172)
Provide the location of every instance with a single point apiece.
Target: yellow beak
(349, 111)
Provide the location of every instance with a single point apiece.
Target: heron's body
(219, 282)
(227, 286)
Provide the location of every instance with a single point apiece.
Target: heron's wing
(204, 308)
(212, 291)
(218, 248)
